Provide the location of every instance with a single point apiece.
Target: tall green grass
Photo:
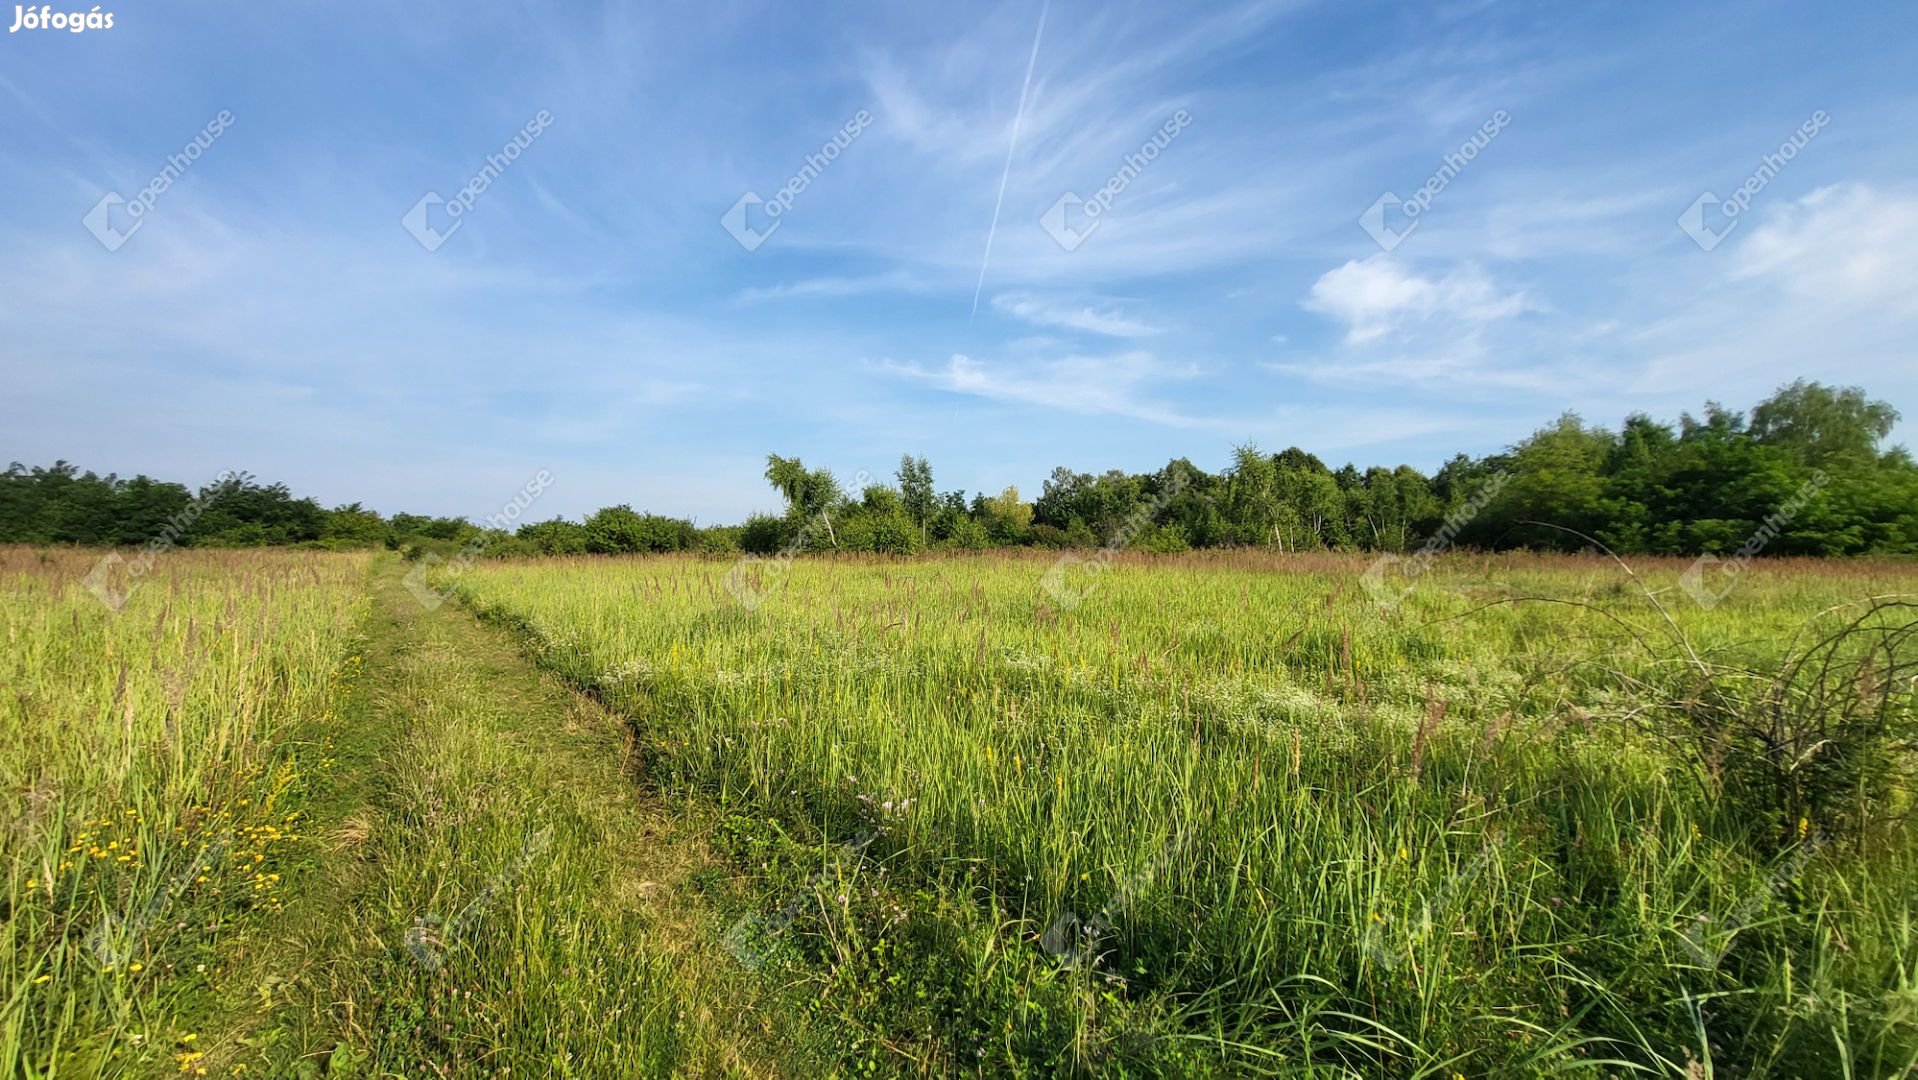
(1326, 836)
(148, 793)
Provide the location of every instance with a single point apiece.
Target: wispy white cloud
(1118, 385)
(1842, 247)
(895, 280)
(1460, 370)
(1823, 287)
(1377, 296)
(1099, 316)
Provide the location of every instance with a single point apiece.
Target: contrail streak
(1013, 148)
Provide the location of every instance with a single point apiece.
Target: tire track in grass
(498, 896)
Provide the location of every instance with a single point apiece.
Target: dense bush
(555, 537)
(763, 534)
(618, 530)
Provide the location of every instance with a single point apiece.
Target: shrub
(1168, 540)
(719, 540)
(969, 535)
(1820, 745)
(764, 534)
(892, 533)
(619, 530)
(555, 537)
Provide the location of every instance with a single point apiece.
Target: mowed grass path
(500, 897)
(274, 816)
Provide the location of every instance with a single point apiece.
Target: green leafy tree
(353, 525)
(809, 493)
(1005, 516)
(915, 491)
(1823, 427)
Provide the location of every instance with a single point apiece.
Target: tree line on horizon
(1806, 464)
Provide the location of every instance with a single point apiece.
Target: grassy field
(152, 765)
(1204, 815)
(1229, 813)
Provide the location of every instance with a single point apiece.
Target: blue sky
(592, 316)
